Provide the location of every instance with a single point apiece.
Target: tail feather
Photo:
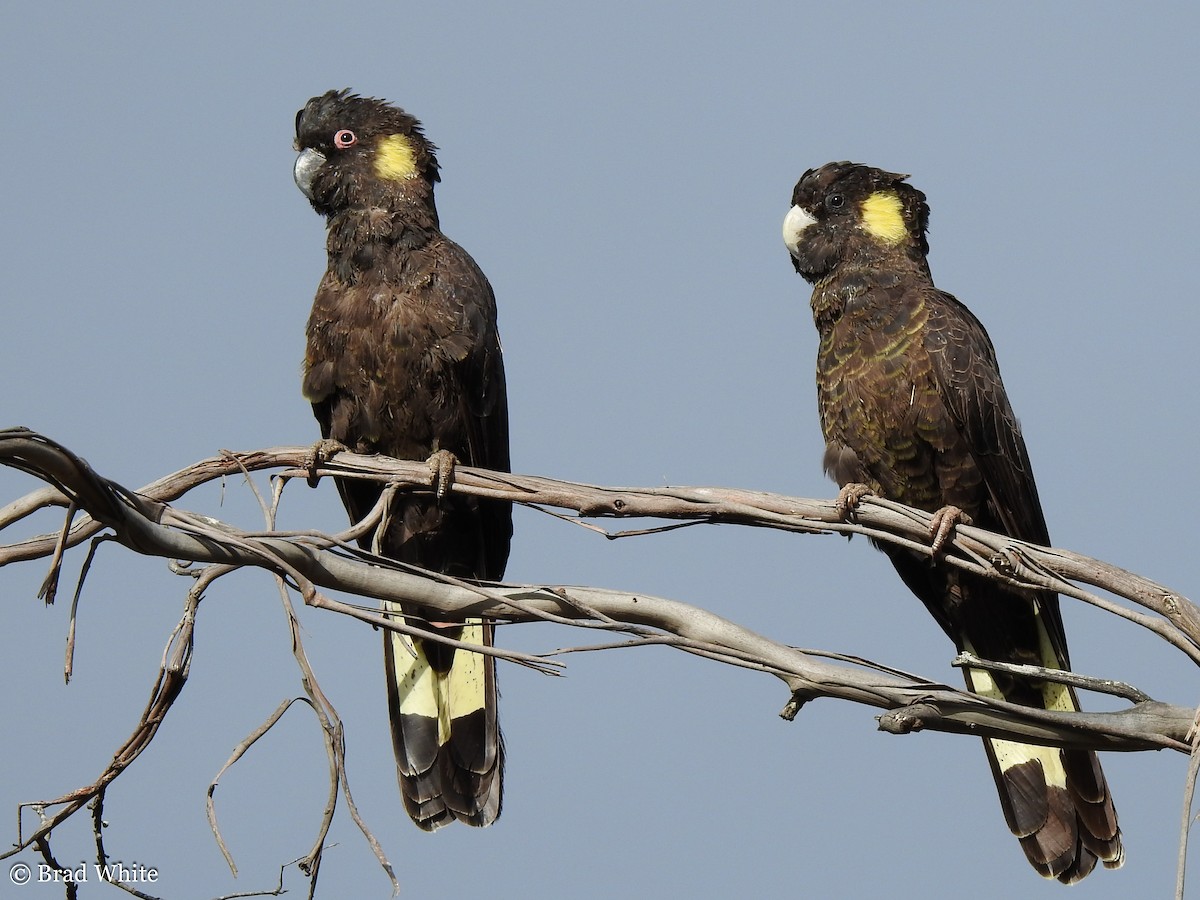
(1097, 815)
(1055, 801)
(1039, 808)
(449, 755)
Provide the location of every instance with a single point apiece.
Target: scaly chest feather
(382, 359)
(881, 412)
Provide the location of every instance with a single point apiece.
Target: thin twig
(1057, 676)
(1189, 792)
(50, 585)
(210, 807)
(102, 866)
(69, 662)
(43, 847)
(335, 742)
(167, 686)
(276, 891)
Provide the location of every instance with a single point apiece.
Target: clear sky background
(620, 172)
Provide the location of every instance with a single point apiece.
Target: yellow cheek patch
(395, 159)
(883, 217)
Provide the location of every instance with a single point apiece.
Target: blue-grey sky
(620, 172)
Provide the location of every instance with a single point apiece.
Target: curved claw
(441, 471)
(320, 453)
(941, 528)
(849, 497)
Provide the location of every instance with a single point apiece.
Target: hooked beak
(794, 224)
(307, 164)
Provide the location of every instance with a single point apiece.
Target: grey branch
(144, 521)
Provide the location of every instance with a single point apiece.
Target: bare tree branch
(997, 556)
(312, 562)
(143, 522)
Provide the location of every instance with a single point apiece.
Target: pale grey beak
(794, 224)
(305, 170)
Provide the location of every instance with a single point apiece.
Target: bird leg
(322, 451)
(941, 528)
(441, 471)
(849, 497)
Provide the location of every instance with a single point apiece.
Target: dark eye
(345, 138)
(835, 201)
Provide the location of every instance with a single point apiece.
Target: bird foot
(322, 451)
(849, 497)
(941, 529)
(441, 471)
